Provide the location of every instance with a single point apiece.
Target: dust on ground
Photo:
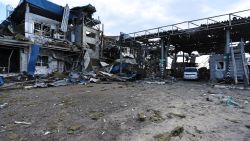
(125, 111)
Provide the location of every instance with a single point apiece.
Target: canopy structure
(205, 35)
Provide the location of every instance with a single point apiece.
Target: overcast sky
(134, 15)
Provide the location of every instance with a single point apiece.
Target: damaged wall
(91, 40)
(217, 67)
(33, 33)
(51, 61)
(24, 57)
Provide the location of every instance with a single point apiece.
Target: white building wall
(30, 19)
(24, 57)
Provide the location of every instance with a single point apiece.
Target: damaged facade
(41, 37)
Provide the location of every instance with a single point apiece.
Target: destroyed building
(41, 37)
(208, 36)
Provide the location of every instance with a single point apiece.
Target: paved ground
(125, 112)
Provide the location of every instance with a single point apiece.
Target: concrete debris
(40, 85)
(232, 87)
(73, 128)
(141, 116)
(156, 117)
(156, 82)
(168, 135)
(246, 102)
(105, 73)
(197, 130)
(247, 126)
(47, 132)
(83, 82)
(28, 87)
(94, 115)
(58, 83)
(93, 80)
(12, 136)
(171, 115)
(3, 105)
(104, 64)
(22, 122)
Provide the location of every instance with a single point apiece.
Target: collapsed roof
(47, 9)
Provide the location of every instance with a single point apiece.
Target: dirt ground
(125, 112)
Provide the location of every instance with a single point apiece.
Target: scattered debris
(231, 87)
(40, 85)
(47, 132)
(141, 116)
(247, 126)
(232, 120)
(3, 105)
(28, 87)
(93, 80)
(94, 115)
(197, 130)
(168, 135)
(170, 115)
(246, 102)
(12, 136)
(156, 117)
(58, 83)
(156, 82)
(231, 102)
(22, 122)
(73, 128)
(83, 82)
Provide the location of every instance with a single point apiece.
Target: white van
(190, 73)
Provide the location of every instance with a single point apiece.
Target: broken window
(41, 29)
(92, 46)
(37, 28)
(46, 30)
(90, 34)
(59, 35)
(42, 61)
(220, 66)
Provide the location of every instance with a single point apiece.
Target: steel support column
(227, 57)
(162, 60)
(227, 46)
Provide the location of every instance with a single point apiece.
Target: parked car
(190, 73)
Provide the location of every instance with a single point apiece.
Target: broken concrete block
(171, 115)
(156, 117)
(197, 130)
(12, 136)
(94, 115)
(177, 131)
(163, 137)
(73, 128)
(93, 80)
(3, 105)
(246, 102)
(141, 116)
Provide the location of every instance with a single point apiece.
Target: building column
(227, 74)
(162, 60)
